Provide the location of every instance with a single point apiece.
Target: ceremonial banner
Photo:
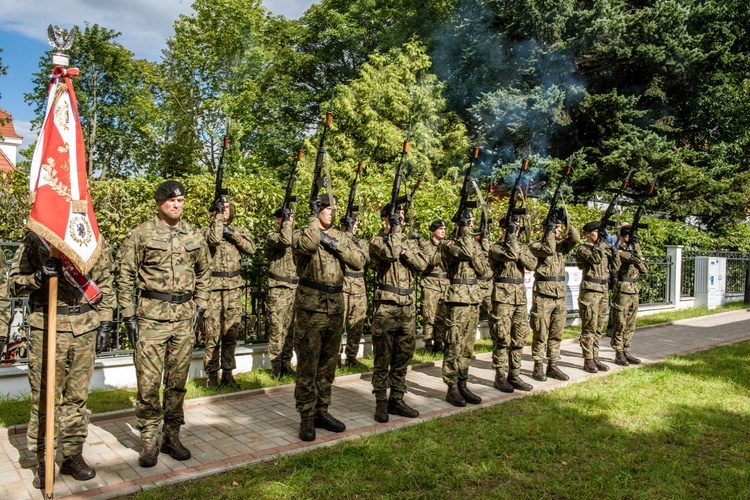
(62, 211)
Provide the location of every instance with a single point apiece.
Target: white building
(9, 142)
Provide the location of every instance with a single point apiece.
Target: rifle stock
(514, 211)
(466, 189)
(553, 212)
(605, 221)
(637, 224)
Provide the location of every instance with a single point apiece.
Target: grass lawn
(673, 430)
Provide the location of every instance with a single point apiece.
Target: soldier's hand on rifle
(217, 206)
(199, 312)
(131, 329)
(484, 234)
(395, 219)
(228, 233)
(286, 214)
(634, 238)
(552, 224)
(349, 223)
(50, 267)
(328, 242)
(103, 335)
(315, 206)
(512, 227)
(603, 233)
(465, 219)
(416, 236)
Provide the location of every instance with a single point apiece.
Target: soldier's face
(170, 210)
(558, 230)
(226, 212)
(439, 233)
(326, 216)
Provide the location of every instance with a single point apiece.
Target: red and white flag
(62, 211)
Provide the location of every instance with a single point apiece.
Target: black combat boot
(437, 347)
(276, 371)
(212, 382)
(590, 366)
(501, 383)
(228, 380)
(381, 410)
(539, 372)
(149, 454)
(620, 359)
(600, 366)
(469, 396)
(632, 359)
(39, 476)
(517, 383)
(307, 429)
(428, 345)
(326, 421)
(554, 372)
(286, 369)
(398, 407)
(77, 467)
(454, 397)
(174, 448)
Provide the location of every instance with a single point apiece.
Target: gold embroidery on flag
(80, 230)
(50, 175)
(80, 206)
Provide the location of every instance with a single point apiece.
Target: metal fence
(737, 265)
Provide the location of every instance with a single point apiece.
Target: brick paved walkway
(228, 431)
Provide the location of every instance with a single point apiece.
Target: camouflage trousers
(624, 312)
(163, 354)
(317, 338)
(431, 298)
(280, 324)
(487, 305)
(355, 312)
(222, 324)
(547, 321)
(460, 335)
(509, 334)
(592, 308)
(74, 365)
(393, 340)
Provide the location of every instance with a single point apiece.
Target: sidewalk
(232, 430)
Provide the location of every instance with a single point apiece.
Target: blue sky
(145, 26)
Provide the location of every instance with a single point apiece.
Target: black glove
(603, 233)
(327, 242)
(103, 335)
(199, 312)
(512, 227)
(131, 328)
(315, 206)
(395, 219)
(228, 233)
(349, 223)
(465, 219)
(634, 238)
(416, 236)
(286, 214)
(50, 267)
(217, 206)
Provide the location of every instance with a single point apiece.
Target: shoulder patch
(130, 233)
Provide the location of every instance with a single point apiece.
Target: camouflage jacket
(278, 249)
(355, 285)
(432, 252)
(226, 254)
(597, 261)
(395, 259)
(464, 261)
(632, 265)
(485, 280)
(550, 254)
(318, 265)
(509, 260)
(4, 300)
(156, 258)
(30, 256)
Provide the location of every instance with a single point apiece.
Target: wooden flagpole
(51, 394)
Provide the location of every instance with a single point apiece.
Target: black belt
(68, 310)
(628, 280)
(167, 297)
(549, 278)
(226, 274)
(511, 281)
(321, 286)
(594, 280)
(481, 278)
(464, 281)
(350, 274)
(436, 275)
(395, 289)
(276, 277)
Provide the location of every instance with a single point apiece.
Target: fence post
(747, 284)
(674, 278)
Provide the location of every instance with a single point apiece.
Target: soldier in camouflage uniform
(321, 251)
(625, 297)
(4, 304)
(548, 308)
(282, 287)
(434, 287)
(464, 261)
(509, 259)
(166, 263)
(394, 321)
(485, 284)
(222, 321)
(77, 345)
(355, 299)
(597, 259)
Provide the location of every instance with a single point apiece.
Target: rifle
(395, 199)
(410, 206)
(466, 189)
(642, 208)
(514, 211)
(220, 191)
(485, 221)
(351, 208)
(319, 180)
(554, 212)
(289, 198)
(611, 207)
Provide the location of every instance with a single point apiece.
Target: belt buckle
(330, 288)
(175, 299)
(402, 291)
(74, 309)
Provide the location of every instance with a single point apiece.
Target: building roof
(6, 126)
(5, 164)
